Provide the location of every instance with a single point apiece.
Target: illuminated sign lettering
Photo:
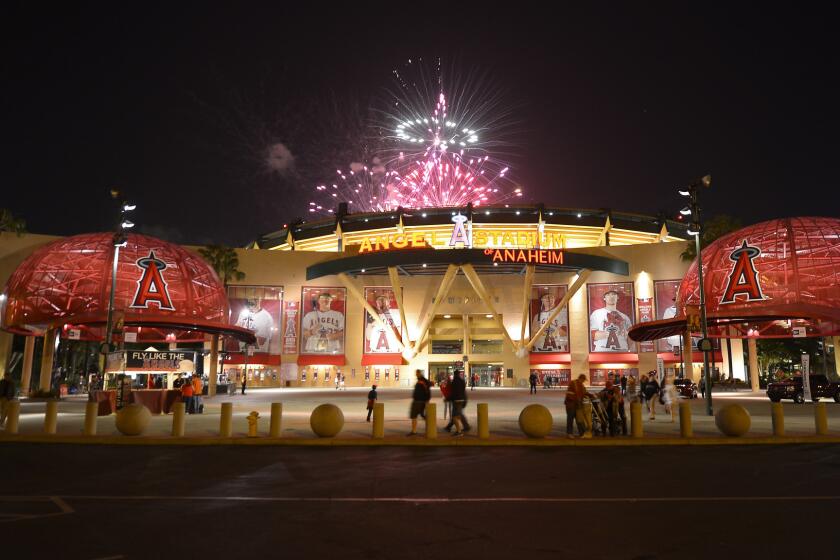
(527, 256)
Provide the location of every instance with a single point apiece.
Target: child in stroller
(611, 406)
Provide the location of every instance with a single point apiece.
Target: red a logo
(152, 288)
(743, 280)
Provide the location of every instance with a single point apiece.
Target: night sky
(614, 108)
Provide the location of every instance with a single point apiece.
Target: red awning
(319, 360)
(536, 358)
(383, 360)
(613, 358)
(256, 359)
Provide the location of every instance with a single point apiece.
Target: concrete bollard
(820, 419)
(686, 429)
(226, 420)
(379, 420)
(91, 413)
(777, 414)
(13, 417)
(431, 420)
(275, 424)
(51, 417)
(636, 428)
(179, 412)
(483, 414)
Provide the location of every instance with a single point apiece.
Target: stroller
(600, 422)
(614, 423)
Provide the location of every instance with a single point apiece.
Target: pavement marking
(55, 500)
(59, 500)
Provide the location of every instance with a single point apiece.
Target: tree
(10, 223)
(714, 228)
(224, 261)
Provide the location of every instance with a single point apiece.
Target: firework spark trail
(434, 152)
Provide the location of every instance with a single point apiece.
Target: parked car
(791, 388)
(686, 388)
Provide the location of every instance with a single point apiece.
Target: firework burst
(435, 148)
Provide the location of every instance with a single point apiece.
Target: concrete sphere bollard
(535, 420)
(733, 420)
(133, 419)
(326, 420)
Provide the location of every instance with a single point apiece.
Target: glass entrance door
(486, 375)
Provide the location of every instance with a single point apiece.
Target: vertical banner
(377, 338)
(544, 299)
(322, 326)
(290, 326)
(610, 312)
(645, 316)
(806, 376)
(660, 370)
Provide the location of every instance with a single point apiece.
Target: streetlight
(693, 209)
(120, 239)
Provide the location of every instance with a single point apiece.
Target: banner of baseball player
(258, 309)
(378, 339)
(544, 298)
(322, 326)
(610, 317)
(665, 294)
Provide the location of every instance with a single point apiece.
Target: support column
(26, 374)
(836, 341)
(752, 346)
(738, 371)
(214, 365)
(47, 357)
(5, 351)
(688, 364)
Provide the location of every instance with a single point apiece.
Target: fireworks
(433, 150)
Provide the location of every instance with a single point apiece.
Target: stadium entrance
(487, 375)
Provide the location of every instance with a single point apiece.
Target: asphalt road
(62, 501)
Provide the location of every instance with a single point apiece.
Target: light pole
(693, 209)
(119, 239)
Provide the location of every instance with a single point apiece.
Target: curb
(418, 442)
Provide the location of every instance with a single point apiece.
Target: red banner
(290, 326)
(645, 306)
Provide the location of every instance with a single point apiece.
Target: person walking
(244, 382)
(371, 400)
(337, 381)
(532, 379)
(582, 407)
(343, 388)
(421, 395)
(669, 397)
(623, 385)
(7, 395)
(652, 394)
(446, 392)
(703, 386)
(571, 402)
(632, 389)
(459, 401)
(472, 382)
(642, 387)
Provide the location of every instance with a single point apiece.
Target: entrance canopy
(163, 292)
(774, 279)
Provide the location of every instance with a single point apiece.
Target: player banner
(610, 317)
(544, 299)
(377, 338)
(256, 308)
(290, 326)
(322, 326)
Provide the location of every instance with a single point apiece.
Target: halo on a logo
(146, 261)
(751, 252)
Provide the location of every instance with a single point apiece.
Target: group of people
(191, 387)
(454, 392)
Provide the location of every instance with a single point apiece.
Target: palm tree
(10, 223)
(224, 261)
(713, 229)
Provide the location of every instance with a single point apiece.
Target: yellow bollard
(51, 417)
(686, 430)
(13, 417)
(483, 414)
(276, 419)
(821, 419)
(379, 420)
(431, 420)
(777, 413)
(226, 420)
(179, 412)
(91, 413)
(636, 428)
(253, 423)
